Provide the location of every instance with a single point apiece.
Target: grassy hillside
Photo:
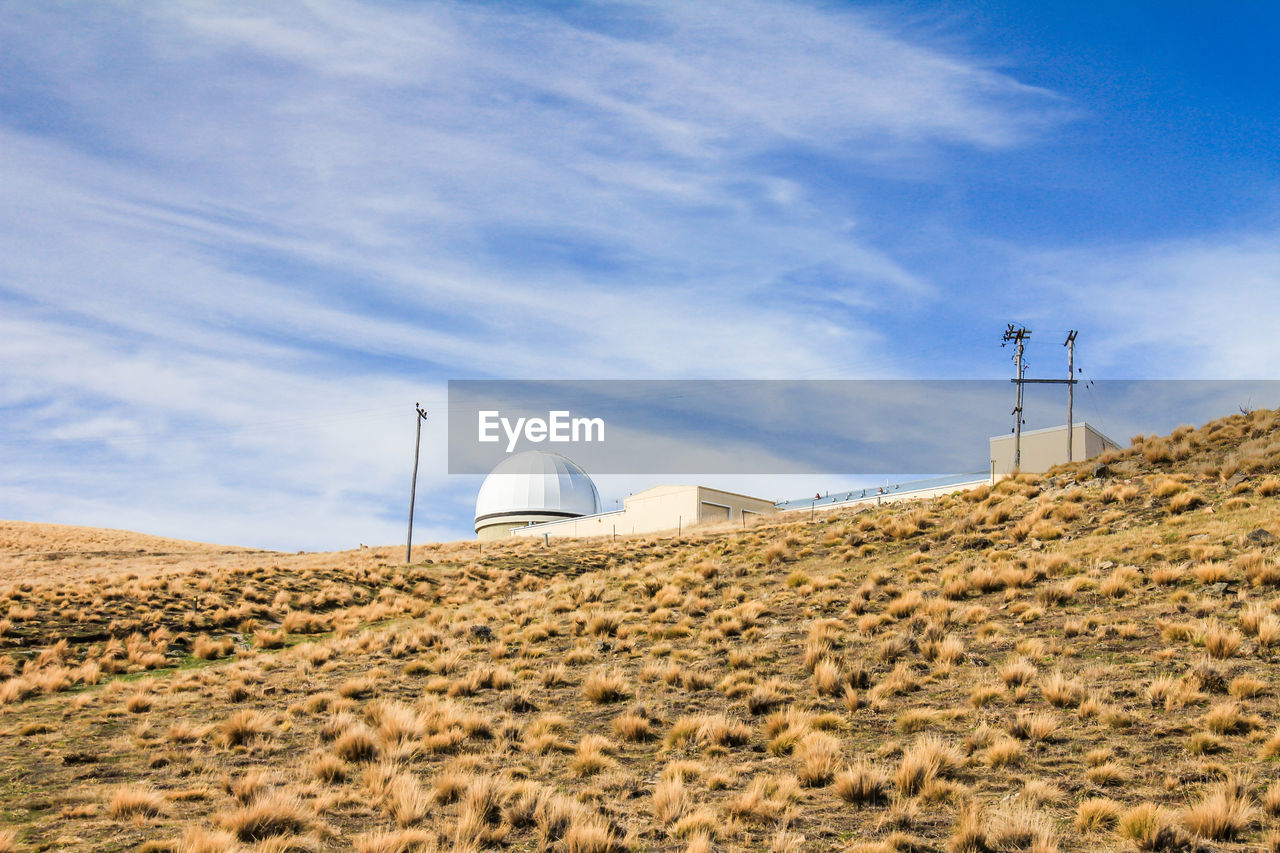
(63, 552)
(1085, 660)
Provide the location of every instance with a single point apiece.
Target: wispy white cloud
(1194, 308)
(214, 215)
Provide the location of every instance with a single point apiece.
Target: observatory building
(531, 488)
(545, 495)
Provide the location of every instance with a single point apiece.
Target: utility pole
(1019, 337)
(413, 489)
(1070, 344)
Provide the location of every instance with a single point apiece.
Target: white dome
(535, 486)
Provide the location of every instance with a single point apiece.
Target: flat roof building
(660, 508)
(1044, 448)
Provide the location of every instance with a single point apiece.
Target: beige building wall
(1044, 448)
(658, 509)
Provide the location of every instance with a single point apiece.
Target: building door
(714, 512)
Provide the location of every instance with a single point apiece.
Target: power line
(1093, 400)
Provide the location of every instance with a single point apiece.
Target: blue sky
(237, 241)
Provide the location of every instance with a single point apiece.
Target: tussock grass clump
(862, 784)
(243, 727)
(901, 679)
(603, 624)
(1225, 718)
(764, 799)
(1119, 583)
(828, 679)
(818, 754)
(633, 726)
(1268, 632)
(1211, 572)
(1038, 793)
(1107, 774)
(357, 743)
(1034, 727)
(1224, 813)
(1017, 672)
(246, 788)
(1271, 799)
(208, 648)
(1259, 569)
(1203, 743)
(139, 703)
(984, 694)
(947, 651)
(604, 686)
(1119, 494)
(135, 800)
(592, 835)
(766, 696)
(1003, 753)
(669, 800)
(1221, 642)
(719, 730)
(330, 769)
(481, 810)
(407, 802)
(383, 841)
(1011, 827)
(905, 604)
(1061, 691)
(1150, 827)
(1097, 814)
(925, 760)
(269, 816)
(778, 552)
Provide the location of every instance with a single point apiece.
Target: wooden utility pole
(413, 489)
(1070, 344)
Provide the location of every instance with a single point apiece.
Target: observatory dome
(532, 487)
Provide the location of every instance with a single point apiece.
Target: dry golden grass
(1097, 814)
(927, 759)
(862, 785)
(136, 801)
(67, 553)
(1224, 813)
(602, 686)
(1151, 827)
(1048, 663)
(818, 755)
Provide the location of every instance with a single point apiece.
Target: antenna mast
(1019, 337)
(1070, 344)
